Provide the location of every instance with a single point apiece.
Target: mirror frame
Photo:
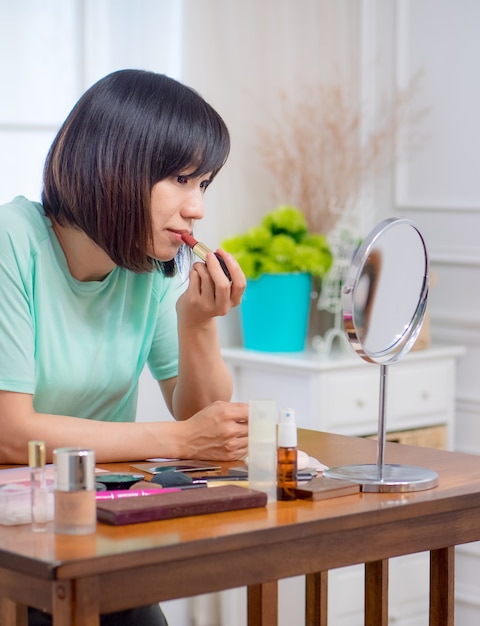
(382, 478)
(405, 341)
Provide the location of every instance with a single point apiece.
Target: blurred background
(404, 74)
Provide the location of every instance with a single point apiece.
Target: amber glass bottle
(287, 456)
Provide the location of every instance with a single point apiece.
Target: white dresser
(340, 394)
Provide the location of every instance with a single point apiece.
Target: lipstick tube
(201, 250)
(132, 493)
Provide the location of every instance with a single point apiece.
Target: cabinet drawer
(419, 390)
(350, 399)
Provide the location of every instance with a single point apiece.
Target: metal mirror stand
(384, 301)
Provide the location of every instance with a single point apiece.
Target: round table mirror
(384, 299)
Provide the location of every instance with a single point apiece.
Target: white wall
(439, 187)
(237, 53)
(51, 51)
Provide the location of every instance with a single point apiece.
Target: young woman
(90, 288)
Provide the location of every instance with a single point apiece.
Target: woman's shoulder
(23, 231)
(22, 216)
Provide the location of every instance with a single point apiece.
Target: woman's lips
(178, 234)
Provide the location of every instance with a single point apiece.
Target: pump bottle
(287, 456)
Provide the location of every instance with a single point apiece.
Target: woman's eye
(204, 184)
(183, 180)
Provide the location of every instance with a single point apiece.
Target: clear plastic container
(15, 504)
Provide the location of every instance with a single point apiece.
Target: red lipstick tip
(189, 240)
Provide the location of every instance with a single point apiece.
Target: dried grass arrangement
(315, 152)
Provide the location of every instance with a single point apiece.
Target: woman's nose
(193, 207)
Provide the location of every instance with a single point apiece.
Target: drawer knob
(360, 403)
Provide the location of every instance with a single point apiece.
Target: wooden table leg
(62, 604)
(316, 599)
(442, 586)
(376, 593)
(76, 604)
(262, 604)
(12, 613)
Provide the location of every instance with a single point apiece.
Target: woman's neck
(86, 261)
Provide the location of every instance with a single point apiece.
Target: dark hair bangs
(190, 140)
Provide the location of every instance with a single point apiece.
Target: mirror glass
(385, 293)
(384, 299)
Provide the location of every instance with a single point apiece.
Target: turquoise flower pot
(274, 312)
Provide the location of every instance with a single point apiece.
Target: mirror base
(392, 479)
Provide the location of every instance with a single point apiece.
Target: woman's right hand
(219, 432)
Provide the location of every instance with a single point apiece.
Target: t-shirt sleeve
(163, 358)
(17, 349)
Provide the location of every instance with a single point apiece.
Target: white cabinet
(340, 394)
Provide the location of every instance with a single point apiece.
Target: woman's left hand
(210, 293)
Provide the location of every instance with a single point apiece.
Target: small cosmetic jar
(75, 489)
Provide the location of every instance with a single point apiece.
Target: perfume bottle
(287, 456)
(38, 485)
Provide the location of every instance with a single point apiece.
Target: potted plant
(280, 259)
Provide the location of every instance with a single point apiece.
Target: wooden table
(76, 578)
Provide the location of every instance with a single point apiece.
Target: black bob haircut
(128, 131)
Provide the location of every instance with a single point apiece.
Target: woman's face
(176, 203)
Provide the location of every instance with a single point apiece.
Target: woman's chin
(163, 256)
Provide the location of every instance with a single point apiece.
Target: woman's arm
(203, 376)
(219, 432)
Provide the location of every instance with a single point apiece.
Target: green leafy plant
(281, 243)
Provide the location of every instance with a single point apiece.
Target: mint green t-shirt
(78, 347)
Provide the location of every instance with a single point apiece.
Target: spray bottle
(287, 456)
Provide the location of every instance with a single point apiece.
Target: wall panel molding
(469, 404)
(459, 329)
(442, 172)
(27, 127)
(455, 256)
(455, 209)
(467, 596)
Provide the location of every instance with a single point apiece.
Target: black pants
(144, 616)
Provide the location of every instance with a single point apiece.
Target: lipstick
(131, 493)
(201, 250)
